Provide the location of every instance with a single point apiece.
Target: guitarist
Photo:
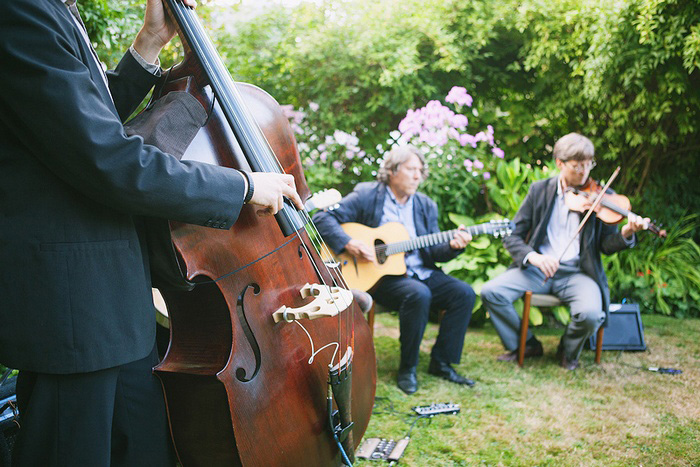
(394, 198)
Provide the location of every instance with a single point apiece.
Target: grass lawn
(615, 414)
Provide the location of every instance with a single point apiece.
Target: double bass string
(218, 75)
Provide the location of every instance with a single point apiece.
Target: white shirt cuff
(152, 68)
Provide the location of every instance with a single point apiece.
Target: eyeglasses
(581, 168)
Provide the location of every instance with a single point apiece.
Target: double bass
(269, 362)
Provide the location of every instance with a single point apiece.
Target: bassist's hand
(157, 30)
(269, 191)
(461, 240)
(360, 250)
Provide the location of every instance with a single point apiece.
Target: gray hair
(574, 147)
(397, 156)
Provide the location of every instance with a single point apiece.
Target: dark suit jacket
(74, 283)
(365, 205)
(531, 229)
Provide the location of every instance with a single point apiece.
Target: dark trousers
(108, 417)
(414, 298)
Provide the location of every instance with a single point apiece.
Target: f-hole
(250, 337)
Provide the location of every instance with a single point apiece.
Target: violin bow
(595, 204)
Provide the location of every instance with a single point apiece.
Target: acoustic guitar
(391, 241)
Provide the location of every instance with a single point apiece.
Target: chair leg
(599, 344)
(524, 323)
(370, 320)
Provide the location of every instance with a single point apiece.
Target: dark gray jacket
(74, 284)
(531, 228)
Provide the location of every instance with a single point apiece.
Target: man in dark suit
(76, 315)
(546, 262)
(395, 199)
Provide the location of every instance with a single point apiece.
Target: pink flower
(313, 106)
(487, 175)
(460, 121)
(466, 138)
(498, 152)
(458, 95)
(337, 165)
(478, 164)
(468, 164)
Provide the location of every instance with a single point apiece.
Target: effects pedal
(382, 449)
(437, 409)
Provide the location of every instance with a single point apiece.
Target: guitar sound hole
(380, 248)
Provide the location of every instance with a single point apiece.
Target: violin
(612, 209)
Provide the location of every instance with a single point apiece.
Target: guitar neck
(425, 241)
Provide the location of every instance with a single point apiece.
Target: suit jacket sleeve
(516, 242)
(612, 241)
(328, 222)
(54, 108)
(129, 83)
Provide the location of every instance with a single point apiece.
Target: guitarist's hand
(461, 240)
(360, 250)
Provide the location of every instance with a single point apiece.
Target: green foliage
(363, 62)
(660, 274)
(513, 179)
(624, 73)
(329, 160)
(112, 26)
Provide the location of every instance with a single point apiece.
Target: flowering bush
(459, 161)
(329, 160)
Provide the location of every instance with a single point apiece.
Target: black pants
(414, 298)
(108, 417)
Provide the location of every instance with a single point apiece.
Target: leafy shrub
(329, 160)
(661, 275)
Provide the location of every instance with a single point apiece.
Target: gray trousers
(573, 287)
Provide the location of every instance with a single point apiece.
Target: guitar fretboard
(438, 238)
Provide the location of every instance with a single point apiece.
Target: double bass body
(240, 389)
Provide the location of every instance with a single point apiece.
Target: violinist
(77, 316)
(551, 257)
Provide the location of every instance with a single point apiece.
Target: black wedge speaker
(624, 331)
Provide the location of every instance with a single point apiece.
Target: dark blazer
(531, 229)
(365, 205)
(74, 284)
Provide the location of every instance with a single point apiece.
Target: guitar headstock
(501, 228)
(323, 199)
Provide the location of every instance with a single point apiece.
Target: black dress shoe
(407, 380)
(445, 371)
(564, 362)
(533, 348)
